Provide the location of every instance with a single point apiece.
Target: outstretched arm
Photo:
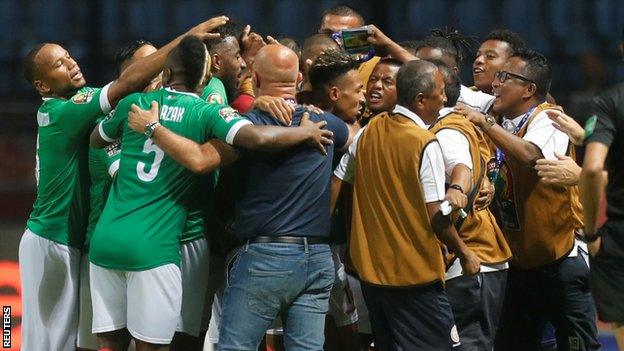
(271, 138)
(379, 40)
(522, 150)
(142, 71)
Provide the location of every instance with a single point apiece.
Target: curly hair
(329, 66)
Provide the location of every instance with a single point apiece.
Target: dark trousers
(607, 273)
(477, 303)
(410, 319)
(557, 293)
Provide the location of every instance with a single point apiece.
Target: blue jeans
(270, 279)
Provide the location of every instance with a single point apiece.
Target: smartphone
(354, 41)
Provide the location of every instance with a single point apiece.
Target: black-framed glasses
(502, 76)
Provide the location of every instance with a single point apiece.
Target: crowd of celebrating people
(231, 191)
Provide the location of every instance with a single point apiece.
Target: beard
(231, 87)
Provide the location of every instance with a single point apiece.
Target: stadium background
(580, 37)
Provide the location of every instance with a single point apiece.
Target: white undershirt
(455, 149)
(477, 100)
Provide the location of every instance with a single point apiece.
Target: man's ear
(419, 102)
(530, 91)
(216, 63)
(166, 76)
(41, 87)
(334, 93)
(299, 77)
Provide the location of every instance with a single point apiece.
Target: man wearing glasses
(548, 279)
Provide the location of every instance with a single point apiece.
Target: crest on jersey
(228, 113)
(215, 98)
(82, 97)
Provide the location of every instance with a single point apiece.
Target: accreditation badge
(504, 203)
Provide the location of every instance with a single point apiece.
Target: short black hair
(29, 68)
(452, 82)
(390, 62)
(318, 39)
(126, 52)
(512, 38)
(343, 10)
(414, 77)
(231, 28)
(537, 69)
(449, 41)
(191, 53)
(329, 66)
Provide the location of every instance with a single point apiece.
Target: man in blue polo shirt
(284, 266)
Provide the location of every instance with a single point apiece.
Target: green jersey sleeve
(78, 114)
(111, 128)
(223, 122)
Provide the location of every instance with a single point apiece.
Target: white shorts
(146, 302)
(364, 326)
(341, 305)
(214, 296)
(49, 274)
(195, 258)
(86, 338)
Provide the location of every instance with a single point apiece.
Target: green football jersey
(214, 92)
(142, 222)
(103, 164)
(61, 209)
(195, 228)
(202, 215)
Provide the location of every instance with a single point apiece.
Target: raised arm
(379, 40)
(142, 71)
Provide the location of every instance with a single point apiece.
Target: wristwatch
(150, 128)
(489, 122)
(456, 187)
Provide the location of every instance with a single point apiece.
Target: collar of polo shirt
(402, 110)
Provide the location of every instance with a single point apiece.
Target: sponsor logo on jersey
(113, 149)
(82, 97)
(228, 113)
(215, 98)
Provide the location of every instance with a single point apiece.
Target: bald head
(275, 66)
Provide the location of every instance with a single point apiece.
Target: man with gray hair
(398, 247)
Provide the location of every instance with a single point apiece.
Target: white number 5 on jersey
(150, 147)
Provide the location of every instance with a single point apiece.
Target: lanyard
(500, 154)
